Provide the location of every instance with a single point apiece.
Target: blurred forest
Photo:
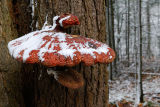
(133, 29)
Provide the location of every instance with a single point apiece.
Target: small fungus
(52, 47)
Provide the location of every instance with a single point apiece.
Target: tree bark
(25, 85)
(128, 32)
(10, 75)
(139, 84)
(110, 31)
(149, 52)
(126, 27)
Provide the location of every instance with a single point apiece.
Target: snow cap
(67, 20)
(59, 49)
(53, 48)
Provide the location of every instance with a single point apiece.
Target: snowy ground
(123, 87)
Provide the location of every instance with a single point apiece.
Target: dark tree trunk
(25, 85)
(110, 31)
(140, 85)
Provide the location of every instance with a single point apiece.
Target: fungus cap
(51, 47)
(59, 49)
(67, 20)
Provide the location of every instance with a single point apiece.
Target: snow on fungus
(67, 20)
(60, 21)
(59, 49)
(52, 48)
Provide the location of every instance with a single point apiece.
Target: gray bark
(148, 31)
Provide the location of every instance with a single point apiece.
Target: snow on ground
(119, 90)
(126, 89)
(123, 87)
(151, 89)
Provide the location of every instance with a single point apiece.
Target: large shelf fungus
(52, 47)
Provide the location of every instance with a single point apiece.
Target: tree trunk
(128, 32)
(10, 76)
(135, 32)
(25, 85)
(119, 19)
(139, 88)
(114, 64)
(126, 27)
(149, 52)
(110, 30)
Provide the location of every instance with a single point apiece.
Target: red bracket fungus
(52, 47)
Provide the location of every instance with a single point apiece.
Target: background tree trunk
(128, 33)
(139, 81)
(149, 52)
(25, 85)
(110, 31)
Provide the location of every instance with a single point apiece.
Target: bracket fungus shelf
(52, 47)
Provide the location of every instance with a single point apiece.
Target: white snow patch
(28, 43)
(55, 19)
(45, 23)
(33, 7)
(61, 20)
(52, 72)
(88, 51)
(61, 36)
(37, 24)
(66, 51)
